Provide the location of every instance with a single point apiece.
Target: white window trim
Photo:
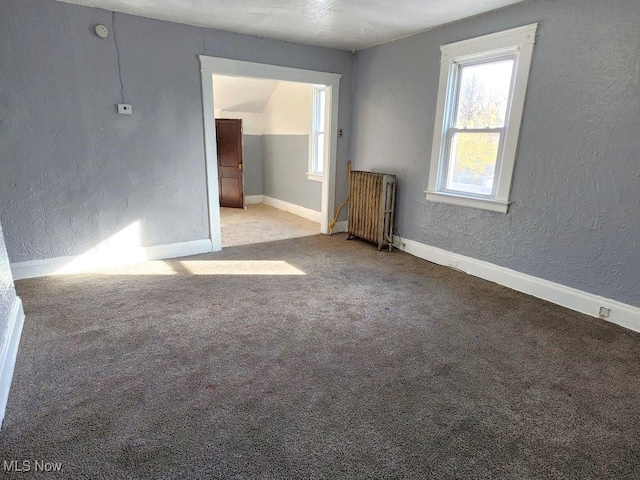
(314, 177)
(311, 172)
(518, 41)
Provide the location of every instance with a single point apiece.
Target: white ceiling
(239, 94)
(343, 24)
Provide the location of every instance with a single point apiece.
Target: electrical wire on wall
(335, 218)
(115, 41)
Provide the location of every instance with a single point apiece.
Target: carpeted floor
(316, 358)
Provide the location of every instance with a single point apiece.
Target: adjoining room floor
(261, 223)
(316, 357)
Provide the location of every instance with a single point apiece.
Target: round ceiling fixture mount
(102, 31)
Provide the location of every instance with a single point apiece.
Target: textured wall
(73, 172)
(575, 217)
(253, 164)
(285, 171)
(7, 292)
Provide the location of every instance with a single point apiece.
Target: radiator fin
(371, 207)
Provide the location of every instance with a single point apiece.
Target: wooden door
(230, 169)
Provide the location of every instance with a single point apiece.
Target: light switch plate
(124, 109)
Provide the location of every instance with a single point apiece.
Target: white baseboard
(9, 352)
(303, 212)
(621, 314)
(102, 258)
(340, 227)
(252, 199)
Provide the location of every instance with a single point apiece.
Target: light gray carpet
(370, 365)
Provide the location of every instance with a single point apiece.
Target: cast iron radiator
(372, 204)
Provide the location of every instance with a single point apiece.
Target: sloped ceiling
(342, 24)
(239, 94)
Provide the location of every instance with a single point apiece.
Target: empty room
(320, 239)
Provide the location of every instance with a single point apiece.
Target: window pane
(484, 94)
(321, 97)
(472, 162)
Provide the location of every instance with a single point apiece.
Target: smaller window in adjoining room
(483, 82)
(316, 156)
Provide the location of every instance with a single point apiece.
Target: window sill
(315, 177)
(460, 200)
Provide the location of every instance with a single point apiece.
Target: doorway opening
(270, 149)
(278, 152)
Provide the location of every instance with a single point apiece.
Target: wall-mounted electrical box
(124, 109)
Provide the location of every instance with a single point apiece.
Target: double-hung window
(481, 96)
(317, 150)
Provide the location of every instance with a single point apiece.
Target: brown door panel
(231, 191)
(230, 171)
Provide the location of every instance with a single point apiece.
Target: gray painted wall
(72, 171)
(7, 291)
(285, 171)
(575, 217)
(253, 164)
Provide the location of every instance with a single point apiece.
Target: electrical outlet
(125, 109)
(605, 312)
